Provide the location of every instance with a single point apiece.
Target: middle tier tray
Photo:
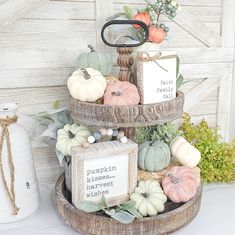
(127, 116)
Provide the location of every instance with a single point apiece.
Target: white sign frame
(156, 76)
(95, 152)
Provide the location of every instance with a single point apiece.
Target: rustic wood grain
(173, 218)
(125, 61)
(127, 116)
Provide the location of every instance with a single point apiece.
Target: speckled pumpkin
(180, 184)
(121, 93)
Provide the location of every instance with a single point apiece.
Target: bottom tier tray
(173, 218)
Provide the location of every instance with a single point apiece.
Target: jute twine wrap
(4, 124)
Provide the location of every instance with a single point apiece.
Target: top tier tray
(127, 116)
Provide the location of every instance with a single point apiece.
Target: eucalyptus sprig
(124, 213)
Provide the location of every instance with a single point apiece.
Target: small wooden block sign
(106, 168)
(156, 76)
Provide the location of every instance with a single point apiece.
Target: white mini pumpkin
(87, 85)
(71, 136)
(184, 152)
(149, 198)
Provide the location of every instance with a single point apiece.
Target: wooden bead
(97, 135)
(91, 139)
(124, 139)
(120, 134)
(103, 131)
(86, 145)
(110, 132)
(115, 132)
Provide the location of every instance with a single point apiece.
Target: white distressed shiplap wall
(39, 46)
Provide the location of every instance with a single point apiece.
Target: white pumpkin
(87, 85)
(184, 152)
(71, 136)
(149, 198)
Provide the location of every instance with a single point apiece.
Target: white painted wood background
(39, 41)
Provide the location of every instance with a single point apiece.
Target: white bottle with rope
(19, 193)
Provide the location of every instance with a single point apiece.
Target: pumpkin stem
(116, 93)
(173, 179)
(144, 195)
(71, 135)
(91, 48)
(86, 74)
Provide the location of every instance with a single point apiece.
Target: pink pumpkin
(142, 16)
(180, 184)
(121, 93)
(156, 35)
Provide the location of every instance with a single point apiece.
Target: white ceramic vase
(27, 197)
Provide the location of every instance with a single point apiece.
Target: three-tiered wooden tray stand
(175, 215)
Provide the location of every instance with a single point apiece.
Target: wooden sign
(106, 168)
(156, 76)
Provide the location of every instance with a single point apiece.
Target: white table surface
(216, 216)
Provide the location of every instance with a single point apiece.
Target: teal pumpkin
(101, 61)
(153, 156)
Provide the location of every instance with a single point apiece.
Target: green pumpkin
(153, 156)
(101, 61)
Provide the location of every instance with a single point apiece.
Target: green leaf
(103, 202)
(123, 217)
(179, 81)
(128, 205)
(129, 13)
(177, 66)
(89, 206)
(110, 212)
(134, 212)
(57, 104)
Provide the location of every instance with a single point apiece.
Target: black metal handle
(126, 22)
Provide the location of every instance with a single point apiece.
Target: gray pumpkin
(101, 61)
(153, 156)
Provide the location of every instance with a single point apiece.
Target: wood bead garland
(98, 135)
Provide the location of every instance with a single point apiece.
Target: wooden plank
(199, 30)
(205, 14)
(224, 106)
(35, 100)
(53, 27)
(225, 112)
(200, 91)
(12, 10)
(181, 2)
(103, 9)
(34, 77)
(48, 175)
(65, 11)
(86, 11)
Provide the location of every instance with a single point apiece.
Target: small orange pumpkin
(121, 93)
(180, 184)
(156, 34)
(144, 17)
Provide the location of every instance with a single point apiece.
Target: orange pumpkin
(156, 34)
(144, 17)
(180, 184)
(121, 93)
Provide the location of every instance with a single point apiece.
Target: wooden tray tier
(127, 116)
(173, 218)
